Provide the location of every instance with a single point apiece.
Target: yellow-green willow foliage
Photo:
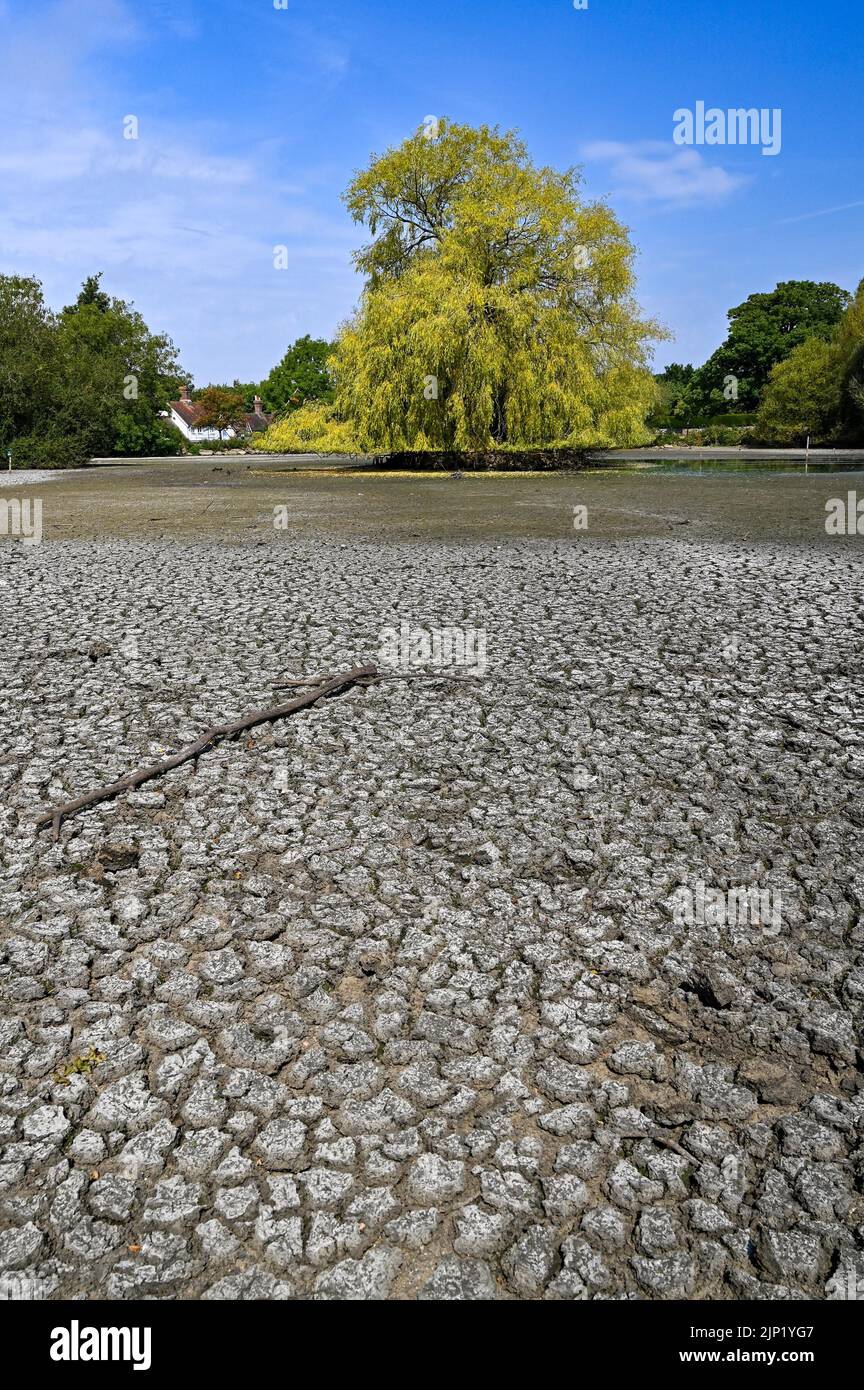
(498, 307)
(313, 428)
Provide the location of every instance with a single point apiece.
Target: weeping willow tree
(498, 307)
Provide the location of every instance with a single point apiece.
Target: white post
(807, 455)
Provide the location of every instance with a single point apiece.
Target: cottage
(185, 414)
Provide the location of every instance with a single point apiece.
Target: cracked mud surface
(389, 1000)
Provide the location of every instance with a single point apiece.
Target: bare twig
(326, 686)
(657, 1137)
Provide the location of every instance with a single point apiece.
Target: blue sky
(252, 120)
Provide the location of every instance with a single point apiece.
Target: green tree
(222, 408)
(819, 389)
(28, 350)
(247, 389)
(90, 380)
(762, 332)
(850, 358)
(303, 375)
(117, 376)
(498, 306)
(91, 294)
(674, 403)
(802, 395)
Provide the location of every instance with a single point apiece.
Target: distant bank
(609, 458)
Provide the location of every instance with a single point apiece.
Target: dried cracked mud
(391, 999)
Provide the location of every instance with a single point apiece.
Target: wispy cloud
(178, 221)
(650, 171)
(89, 153)
(822, 212)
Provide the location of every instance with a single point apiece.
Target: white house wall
(197, 436)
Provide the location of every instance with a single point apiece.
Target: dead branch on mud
(323, 686)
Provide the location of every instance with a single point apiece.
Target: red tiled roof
(190, 412)
(187, 410)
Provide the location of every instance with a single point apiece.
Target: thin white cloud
(179, 226)
(650, 171)
(822, 212)
(88, 153)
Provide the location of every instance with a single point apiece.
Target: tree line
(791, 366)
(92, 380)
(86, 381)
(498, 312)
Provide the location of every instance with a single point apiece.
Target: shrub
(47, 451)
(156, 437)
(312, 429)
